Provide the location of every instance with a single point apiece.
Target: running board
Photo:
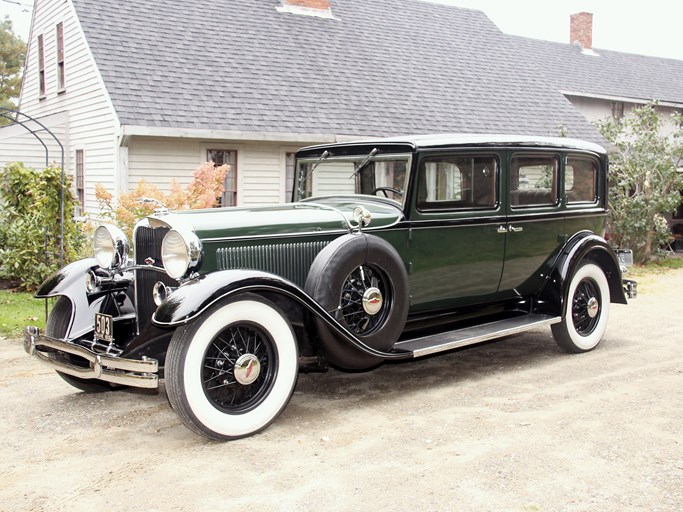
(427, 345)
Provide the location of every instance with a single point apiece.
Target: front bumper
(139, 373)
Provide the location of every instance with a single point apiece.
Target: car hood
(311, 216)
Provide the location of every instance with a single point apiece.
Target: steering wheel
(385, 190)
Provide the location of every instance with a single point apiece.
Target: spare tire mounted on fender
(362, 282)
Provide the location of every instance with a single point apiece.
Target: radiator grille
(291, 261)
(148, 245)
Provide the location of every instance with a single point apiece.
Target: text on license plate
(104, 327)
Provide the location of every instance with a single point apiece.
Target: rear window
(580, 180)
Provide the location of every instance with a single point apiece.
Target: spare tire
(362, 282)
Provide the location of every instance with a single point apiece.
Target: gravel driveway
(514, 425)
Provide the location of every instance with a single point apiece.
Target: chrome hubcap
(247, 369)
(372, 301)
(592, 307)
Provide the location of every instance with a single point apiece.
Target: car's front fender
(189, 301)
(66, 279)
(70, 282)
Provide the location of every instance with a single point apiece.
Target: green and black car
(392, 249)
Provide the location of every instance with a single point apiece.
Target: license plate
(104, 327)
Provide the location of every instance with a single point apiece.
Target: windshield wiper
(364, 162)
(302, 182)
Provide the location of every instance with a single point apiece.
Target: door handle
(502, 229)
(516, 230)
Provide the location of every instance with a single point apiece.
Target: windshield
(378, 175)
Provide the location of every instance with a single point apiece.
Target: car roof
(475, 139)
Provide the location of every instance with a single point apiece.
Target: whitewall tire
(587, 310)
(230, 373)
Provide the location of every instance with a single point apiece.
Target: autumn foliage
(203, 191)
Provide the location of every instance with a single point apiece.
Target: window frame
(596, 181)
(61, 70)
(80, 176)
(557, 177)
(449, 206)
(42, 89)
(290, 180)
(231, 176)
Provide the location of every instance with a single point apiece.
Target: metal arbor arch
(23, 120)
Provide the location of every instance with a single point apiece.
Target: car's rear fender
(581, 247)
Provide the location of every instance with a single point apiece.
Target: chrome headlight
(180, 251)
(111, 246)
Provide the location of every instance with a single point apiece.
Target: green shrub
(203, 191)
(644, 180)
(30, 228)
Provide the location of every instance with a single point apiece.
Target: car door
(534, 227)
(455, 251)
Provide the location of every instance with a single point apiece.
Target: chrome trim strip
(278, 236)
(141, 373)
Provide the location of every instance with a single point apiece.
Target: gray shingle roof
(380, 68)
(606, 73)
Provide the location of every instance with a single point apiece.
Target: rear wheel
(587, 311)
(56, 327)
(231, 373)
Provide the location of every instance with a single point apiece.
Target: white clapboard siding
(260, 165)
(91, 123)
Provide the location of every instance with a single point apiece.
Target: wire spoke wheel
(231, 372)
(363, 302)
(239, 368)
(585, 307)
(585, 320)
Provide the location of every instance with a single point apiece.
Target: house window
(290, 169)
(229, 157)
(41, 66)
(80, 177)
(617, 110)
(60, 57)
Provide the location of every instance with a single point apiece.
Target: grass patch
(660, 266)
(17, 310)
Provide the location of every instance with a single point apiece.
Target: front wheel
(232, 372)
(585, 318)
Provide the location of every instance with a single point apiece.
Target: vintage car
(391, 250)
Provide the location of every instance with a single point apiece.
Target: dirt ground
(515, 425)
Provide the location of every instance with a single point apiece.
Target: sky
(649, 27)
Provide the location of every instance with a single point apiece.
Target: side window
(457, 182)
(533, 180)
(580, 179)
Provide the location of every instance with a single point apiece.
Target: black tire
(230, 373)
(56, 327)
(586, 312)
(345, 277)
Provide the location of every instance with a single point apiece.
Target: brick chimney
(318, 8)
(311, 4)
(581, 30)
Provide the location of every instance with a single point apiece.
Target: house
(151, 89)
(603, 83)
